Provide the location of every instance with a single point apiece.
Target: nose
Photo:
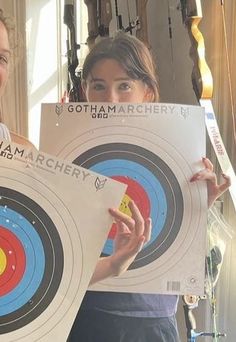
(111, 95)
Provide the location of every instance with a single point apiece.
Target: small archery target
(35, 273)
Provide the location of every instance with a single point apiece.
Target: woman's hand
(214, 190)
(132, 233)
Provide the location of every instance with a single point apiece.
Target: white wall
(42, 58)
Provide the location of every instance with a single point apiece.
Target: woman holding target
(121, 69)
(132, 233)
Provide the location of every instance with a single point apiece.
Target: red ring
(16, 261)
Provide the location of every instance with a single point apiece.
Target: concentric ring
(14, 265)
(29, 224)
(158, 182)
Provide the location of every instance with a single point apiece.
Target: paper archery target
(33, 256)
(157, 175)
(151, 184)
(155, 149)
(36, 275)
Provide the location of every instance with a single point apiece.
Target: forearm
(112, 266)
(104, 269)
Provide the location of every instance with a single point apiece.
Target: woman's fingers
(208, 164)
(132, 233)
(214, 188)
(148, 229)
(138, 218)
(136, 221)
(205, 174)
(122, 228)
(226, 183)
(119, 216)
(135, 224)
(139, 245)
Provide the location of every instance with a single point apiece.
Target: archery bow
(132, 23)
(118, 18)
(203, 87)
(142, 28)
(104, 17)
(92, 21)
(99, 18)
(74, 88)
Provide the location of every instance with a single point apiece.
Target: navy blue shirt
(131, 304)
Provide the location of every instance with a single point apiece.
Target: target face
(29, 238)
(151, 184)
(144, 150)
(155, 172)
(36, 275)
(46, 238)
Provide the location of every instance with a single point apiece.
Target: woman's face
(4, 57)
(109, 82)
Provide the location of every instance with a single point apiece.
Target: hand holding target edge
(214, 190)
(132, 233)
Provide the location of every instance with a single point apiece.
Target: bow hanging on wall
(203, 86)
(74, 88)
(101, 13)
(202, 81)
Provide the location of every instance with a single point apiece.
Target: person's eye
(98, 86)
(4, 60)
(124, 86)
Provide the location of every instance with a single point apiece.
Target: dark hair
(130, 53)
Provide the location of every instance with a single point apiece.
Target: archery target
(157, 175)
(35, 272)
(146, 175)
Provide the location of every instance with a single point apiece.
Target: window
(46, 55)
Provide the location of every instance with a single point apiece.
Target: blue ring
(150, 184)
(34, 265)
(160, 169)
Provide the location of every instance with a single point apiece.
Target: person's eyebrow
(97, 79)
(125, 78)
(5, 51)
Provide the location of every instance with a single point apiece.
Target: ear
(148, 95)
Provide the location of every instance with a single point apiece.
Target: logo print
(99, 184)
(59, 109)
